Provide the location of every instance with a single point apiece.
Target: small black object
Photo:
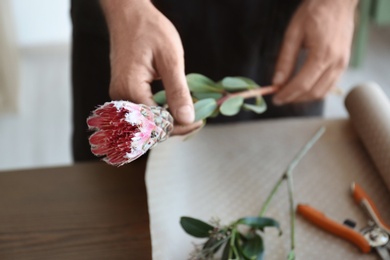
(349, 223)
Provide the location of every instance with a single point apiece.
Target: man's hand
(324, 28)
(145, 46)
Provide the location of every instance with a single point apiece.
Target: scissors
(374, 236)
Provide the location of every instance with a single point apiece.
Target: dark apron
(220, 38)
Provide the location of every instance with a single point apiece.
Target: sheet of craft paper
(226, 172)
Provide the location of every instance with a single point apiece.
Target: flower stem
(271, 195)
(305, 149)
(233, 248)
(289, 177)
(290, 187)
(251, 93)
(288, 173)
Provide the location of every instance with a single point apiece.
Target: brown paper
(369, 110)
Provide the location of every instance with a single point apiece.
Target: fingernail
(278, 78)
(185, 114)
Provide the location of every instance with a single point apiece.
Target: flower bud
(124, 131)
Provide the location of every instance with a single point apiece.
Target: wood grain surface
(85, 211)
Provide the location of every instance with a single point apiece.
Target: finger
(291, 45)
(186, 129)
(326, 82)
(134, 87)
(171, 68)
(303, 82)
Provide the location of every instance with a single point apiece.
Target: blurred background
(35, 103)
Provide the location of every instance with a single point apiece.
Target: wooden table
(85, 211)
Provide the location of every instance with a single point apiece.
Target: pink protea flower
(124, 131)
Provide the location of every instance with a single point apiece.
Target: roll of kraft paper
(369, 110)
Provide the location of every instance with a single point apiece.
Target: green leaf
(249, 81)
(199, 83)
(260, 106)
(195, 227)
(200, 95)
(160, 97)
(260, 101)
(234, 83)
(259, 222)
(231, 106)
(213, 245)
(253, 248)
(256, 108)
(215, 114)
(226, 251)
(238, 244)
(204, 108)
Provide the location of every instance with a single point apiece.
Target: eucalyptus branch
(251, 93)
(226, 97)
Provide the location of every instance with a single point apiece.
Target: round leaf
(231, 106)
(213, 95)
(204, 108)
(260, 100)
(259, 108)
(256, 109)
(215, 114)
(234, 83)
(160, 97)
(253, 248)
(195, 227)
(199, 83)
(249, 81)
(259, 222)
(238, 245)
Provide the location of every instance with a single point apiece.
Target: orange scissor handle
(320, 220)
(362, 198)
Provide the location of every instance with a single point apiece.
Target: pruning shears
(374, 236)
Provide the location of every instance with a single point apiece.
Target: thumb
(171, 70)
(288, 54)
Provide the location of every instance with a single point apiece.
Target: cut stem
(290, 169)
(271, 195)
(289, 177)
(290, 187)
(290, 184)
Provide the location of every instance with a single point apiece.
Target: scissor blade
(383, 252)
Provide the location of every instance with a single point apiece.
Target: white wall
(42, 22)
(39, 133)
